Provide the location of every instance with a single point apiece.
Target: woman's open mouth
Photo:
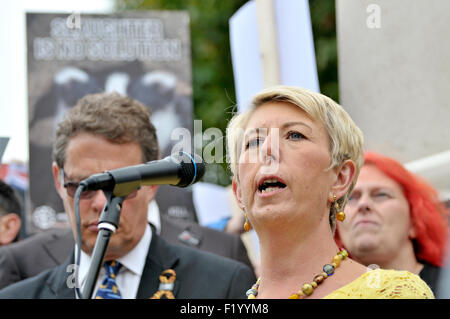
(269, 186)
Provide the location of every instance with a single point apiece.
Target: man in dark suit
(34, 254)
(42, 251)
(199, 275)
(105, 132)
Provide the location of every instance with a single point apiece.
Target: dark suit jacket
(198, 275)
(435, 279)
(31, 256)
(35, 254)
(185, 232)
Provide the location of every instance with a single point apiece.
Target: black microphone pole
(107, 225)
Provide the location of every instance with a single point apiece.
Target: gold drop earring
(247, 225)
(340, 215)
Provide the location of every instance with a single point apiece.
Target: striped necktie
(108, 289)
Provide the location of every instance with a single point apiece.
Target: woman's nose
(365, 204)
(270, 147)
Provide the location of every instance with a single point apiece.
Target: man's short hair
(119, 119)
(9, 202)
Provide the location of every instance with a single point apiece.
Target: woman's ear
(412, 233)
(237, 192)
(345, 174)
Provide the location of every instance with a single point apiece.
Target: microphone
(179, 170)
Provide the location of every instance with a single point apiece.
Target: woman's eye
(353, 197)
(254, 142)
(295, 135)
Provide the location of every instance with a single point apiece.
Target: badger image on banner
(145, 55)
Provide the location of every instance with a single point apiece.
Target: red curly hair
(427, 214)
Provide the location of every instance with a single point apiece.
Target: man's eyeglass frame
(71, 188)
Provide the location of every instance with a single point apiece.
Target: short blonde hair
(346, 139)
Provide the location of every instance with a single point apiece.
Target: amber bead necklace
(308, 288)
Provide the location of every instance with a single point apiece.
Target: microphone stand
(107, 225)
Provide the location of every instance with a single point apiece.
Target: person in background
(394, 220)
(106, 131)
(295, 156)
(10, 211)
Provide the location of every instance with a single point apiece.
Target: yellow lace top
(384, 284)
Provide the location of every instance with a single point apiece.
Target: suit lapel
(60, 279)
(181, 232)
(59, 247)
(159, 258)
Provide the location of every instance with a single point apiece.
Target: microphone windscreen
(192, 168)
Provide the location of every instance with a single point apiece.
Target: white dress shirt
(153, 216)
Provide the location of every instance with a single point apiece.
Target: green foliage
(323, 20)
(212, 74)
(214, 96)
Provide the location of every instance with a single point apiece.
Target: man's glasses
(71, 189)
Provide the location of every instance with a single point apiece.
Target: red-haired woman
(394, 220)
